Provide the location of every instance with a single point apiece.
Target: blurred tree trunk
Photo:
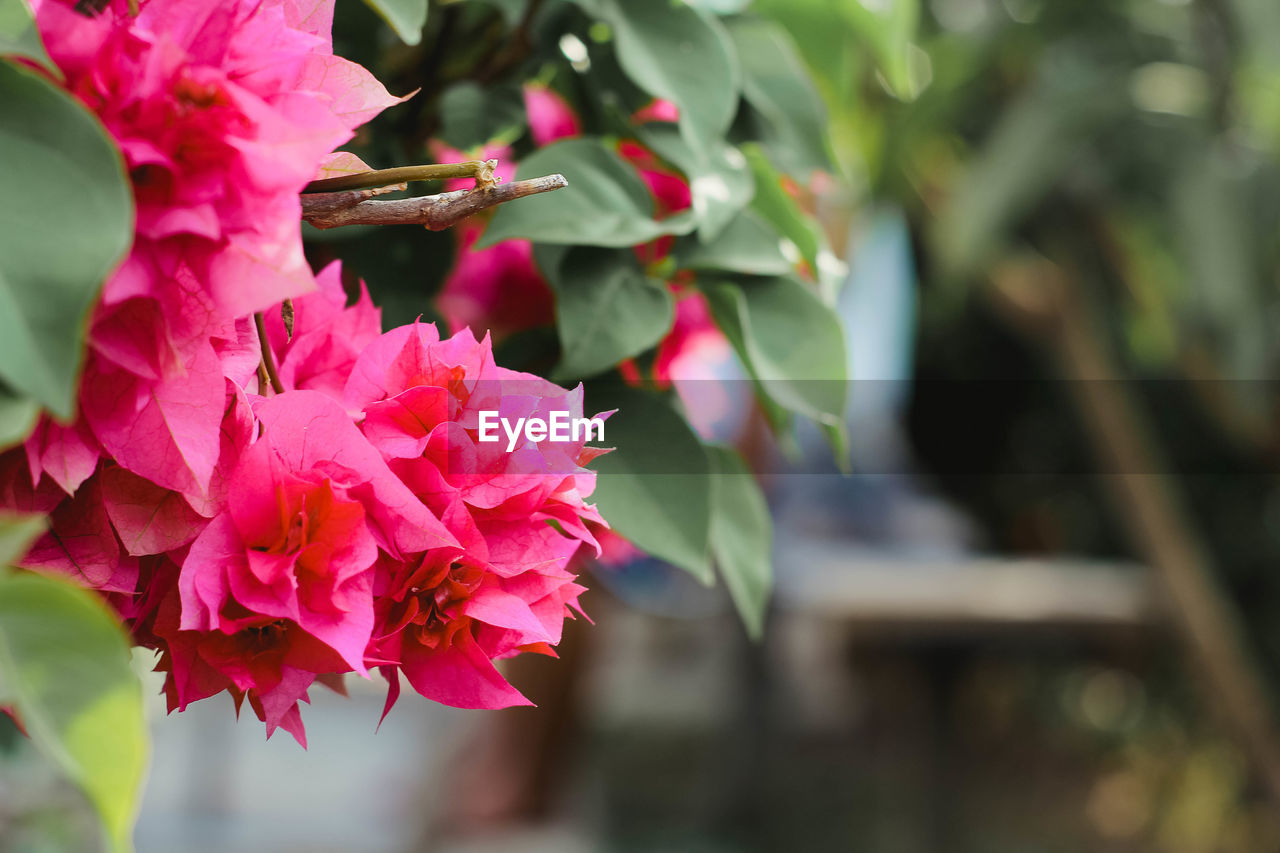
(1043, 300)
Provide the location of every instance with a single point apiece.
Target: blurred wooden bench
(942, 592)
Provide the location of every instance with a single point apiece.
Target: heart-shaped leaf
(607, 310)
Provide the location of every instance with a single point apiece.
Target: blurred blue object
(883, 503)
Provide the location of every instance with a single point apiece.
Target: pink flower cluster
(265, 540)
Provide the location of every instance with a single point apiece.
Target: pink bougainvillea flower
(308, 508)
(670, 191)
(444, 622)
(273, 662)
(164, 430)
(354, 520)
(498, 289)
(155, 387)
(693, 330)
(147, 518)
(550, 116)
(68, 455)
(81, 544)
(430, 632)
(422, 397)
(656, 110)
(223, 112)
(520, 515)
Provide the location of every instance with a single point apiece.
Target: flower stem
(481, 170)
(268, 360)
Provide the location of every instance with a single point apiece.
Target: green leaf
(678, 52)
(406, 17)
(720, 180)
(73, 223)
(827, 48)
(607, 310)
(779, 209)
(654, 487)
(65, 660)
(789, 340)
(748, 245)
(741, 537)
(776, 83)
(605, 203)
(17, 532)
(17, 417)
(19, 36)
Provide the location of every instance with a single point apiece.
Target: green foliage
(852, 49)
(720, 181)
(776, 86)
(779, 209)
(406, 17)
(741, 537)
(18, 33)
(665, 513)
(677, 52)
(605, 204)
(607, 309)
(790, 342)
(64, 664)
(888, 29)
(747, 245)
(70, 222)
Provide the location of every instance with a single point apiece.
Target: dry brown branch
(434, 212)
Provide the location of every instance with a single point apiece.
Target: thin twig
(268, 360)
(434, 212)
(481, 170)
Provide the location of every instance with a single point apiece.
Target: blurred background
(1041, 612)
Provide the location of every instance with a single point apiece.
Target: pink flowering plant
(212, 436)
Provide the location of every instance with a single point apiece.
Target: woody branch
(348, 200)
